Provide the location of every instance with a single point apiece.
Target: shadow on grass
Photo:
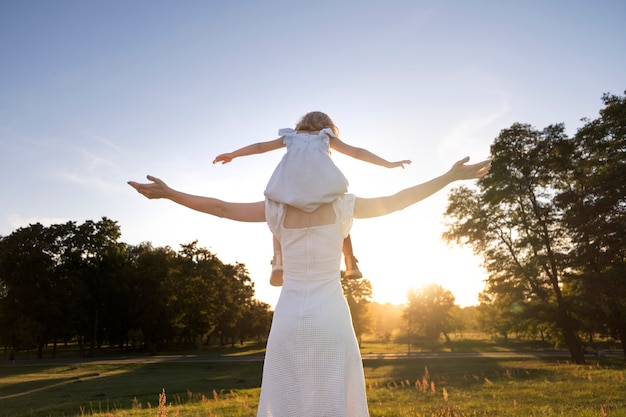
(448, 369)
(35, 390)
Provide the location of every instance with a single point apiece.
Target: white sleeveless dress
(313, 366)
(306, 177)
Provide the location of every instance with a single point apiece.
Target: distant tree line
(78, 283)
(549, 222)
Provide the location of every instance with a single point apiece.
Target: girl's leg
(276, 279)
(352, 269)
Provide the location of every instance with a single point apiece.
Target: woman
(312, 364)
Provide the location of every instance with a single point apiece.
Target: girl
(306, 177)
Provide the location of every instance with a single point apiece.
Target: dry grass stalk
(162, 409)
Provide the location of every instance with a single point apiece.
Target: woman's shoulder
(345, 204)
(344, 208)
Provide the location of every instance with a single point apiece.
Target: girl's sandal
(276, 279)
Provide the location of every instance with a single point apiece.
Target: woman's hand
(156, 189)
(463, 171)
(374, 207)
(243, 212)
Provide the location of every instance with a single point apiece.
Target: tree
(464, 319)
(78, 282)
(197, 302)
(592, 194)
(48, 273)
(358, 293)
(27, 273)
(147, 273)
(388, 321)
(98, 257)
(236, 295)
(512, 223)
(429, 311)
(256, 321)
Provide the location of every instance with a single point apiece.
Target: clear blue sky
(95, 93)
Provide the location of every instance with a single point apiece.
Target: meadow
(444, 384)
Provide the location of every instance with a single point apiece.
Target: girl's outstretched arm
(374, 207)
(364, 155)
(243, 212)
(260, 147)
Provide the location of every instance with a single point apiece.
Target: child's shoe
(352, 269)
(276, 279)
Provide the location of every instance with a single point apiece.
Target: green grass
(495, 387)
(440, 387)
(59, 390)
(467, 343)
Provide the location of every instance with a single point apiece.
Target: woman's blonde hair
(315, 121)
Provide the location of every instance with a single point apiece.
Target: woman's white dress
(306, 176)
(313, 366)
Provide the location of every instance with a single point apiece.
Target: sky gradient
(96, 93)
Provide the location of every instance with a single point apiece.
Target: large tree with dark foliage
(592, 195)
(550, 212)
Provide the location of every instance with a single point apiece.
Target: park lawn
(496, 387)
(477, 386)
(87, 388)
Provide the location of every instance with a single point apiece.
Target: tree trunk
(617, 324)
(564, 320)
(94, 332)
(621, 330)
(572, 342)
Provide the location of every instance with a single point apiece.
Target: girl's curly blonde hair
(315, 121)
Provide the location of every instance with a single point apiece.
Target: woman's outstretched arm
(374, 207)
(243, 212)
(364, 207)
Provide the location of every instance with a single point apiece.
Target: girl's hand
(156, 189)
(223, 158)
(399, 164)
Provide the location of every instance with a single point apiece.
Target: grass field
(442, 386)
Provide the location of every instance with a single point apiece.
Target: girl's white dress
(306, 177)
(313, 366)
